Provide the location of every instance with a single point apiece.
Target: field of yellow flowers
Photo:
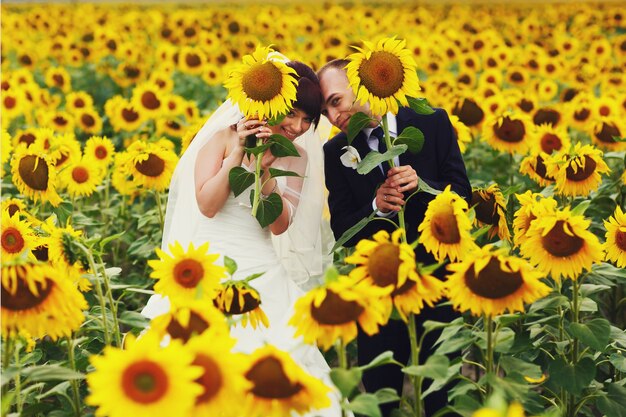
(100, 101)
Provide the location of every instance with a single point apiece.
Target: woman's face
(295, 123)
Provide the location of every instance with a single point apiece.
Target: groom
(353, 196)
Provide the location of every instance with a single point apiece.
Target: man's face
(339, 105)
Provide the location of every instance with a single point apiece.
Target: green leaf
(357, 122)
(274, 172)
(269, 209)
(58, 389)
(436, 367)
(595, 333)
(331, 274)
(422, 186)
(386, 395)
(346, 380)
(453, 371)
(384, 358)
(240, 179)
(614, 403)
(511, 364)
(351, 232)
(280, 146)
(412, 137)
(275, 121)
(108, 239)
(365, 404)
(63, 212)
(430, 325)
(373, 158)
(230, 265)
(257, 150)
(618, 361)
(49, 373)
(134, 319)
(574, 378)
(420, 105)
(579, 210)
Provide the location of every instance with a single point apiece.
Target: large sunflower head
(144, 379)
(242, 302)
(39, 299)
(491, 283)
(186, 274)
(445, 231)
(34, 175)
(468, 111)
(549, 139)
(81, 177)
(606, 129)
(507, 132)
(152, 165)
(533, 205)
(577, 172)
(383, 75)
(560, 243)
(263, 85)
(280, 387)
(615, 245)
(490, 208)
(332, 311)
(534, 166)
(17, 236)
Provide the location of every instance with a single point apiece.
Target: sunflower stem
(489, 359)
(392, 165)
(343, 362)
(109, 293)
(257, 180)
(18, 381)
(157, 197)
(415, 358)
(73, 382)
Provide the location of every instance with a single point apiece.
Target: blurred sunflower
(515, 409)
(125, 116)
(491, 283)
(507, 132)
(170, 126)
(14, 205)
(615, 245)
(100, 149)
(89, 121)
(191, 60)
(17, 236)
(605, 106)
(605, 129)
(14, 103)
(151, 165)
(186, 274)
(80, 177)
(468, 111)
(121, 177)
(40, 300)
(490, 209)
(547, 115)
(534, 166)
(560, 243)
(34, 175)
(333, 310)
(163, 80)
(463, 135)
(445, 231)
(63, 149)
(78, 100)
(25, 137)
(144, 380)
(533, 205)
(579, 111)
(548, 138)
(60, 248)
(240, 300)
(59, 120)
(58, 77)
(279, 387)
(148, 99)
(517, 75)
(578, 172)
(384, 75)
(262, 85)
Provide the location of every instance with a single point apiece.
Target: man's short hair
(339, 63)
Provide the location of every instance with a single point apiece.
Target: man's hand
(388, 199)
(402, 179)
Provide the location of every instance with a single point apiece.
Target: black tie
(382, 146)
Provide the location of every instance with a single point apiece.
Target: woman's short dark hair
(308, 92)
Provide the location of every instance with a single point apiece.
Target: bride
(201, 207)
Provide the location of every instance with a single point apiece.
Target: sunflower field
(100, 100)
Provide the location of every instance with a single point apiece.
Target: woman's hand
(247, 127)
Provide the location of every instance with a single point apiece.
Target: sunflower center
(41, 253)
(12, 240)
(79, 103)
(129, 115)
(607, 132)
(9, 102)
(197, 325)
(250, 302)
(550, 142)
(486, 209)
(88, 120)
(510, 130)
(150, 101)
(151, 167)
(34, 172)
(492, 281)
(561, 244)
(60, 121)
(12, 209)
(80, 175)
(145, 382)
(382, 74)
(192, 60)
(445, 227)
(540, 169)
(211, 380)
(27, 138)
(526, 105)
(334, 310)
(548, 116)
(262, 82)
(270, 381)
(469, 112)
(23, 298)
(582, 173)
(582, 115)
(58, 80)
(101, 152)
(188, 273)
(383, 264)
(620, 240)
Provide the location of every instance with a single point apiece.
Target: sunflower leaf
(614, 402)
(423, 186)
(384, 358)
(269, 208)
(280, 146)
(365, 404)
(346, 380)
(49, 373)
(412, 137)
(357, 122)
(420, 105)
(386, 395)
(276, 120)
(579, 210)
(436, 367)
(373, 158)
(274, 172)
(595, 333)
(351, 232)
(257, 150)
(230, 265)
(240, 179)
(574, 378)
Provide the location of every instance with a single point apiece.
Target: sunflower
(151, 165)
(186, 274)
(560, 244)
(262, 85)
(13, 205)
(13, 104)
(60, 248)
(240, 299)
(148, 99)
(577, 173)
(100, 149)
(490, 209)
(605, 130)
(383, 75)
(63, 149)
(59, 120)
(279, 387)
(533, 205)
(121, 178)
(222, 380)
(78, 100)
(40, 300)
(89, 121)
(468, 111)
(534, 166)
(34, 175)
(80, 177)
(515, 409)
(170, 126)
(191, 60)
(163, 80)
(25, 137)
(58, 77)
(615, 245)
(490, 282)
(445, 231)
(507, 132)
(333, 310)
(144, 380)
(463, 135)
(549, 138)
(17, 236)
(547, 115)
(517, 75)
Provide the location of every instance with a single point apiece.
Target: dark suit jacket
(439, 163)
